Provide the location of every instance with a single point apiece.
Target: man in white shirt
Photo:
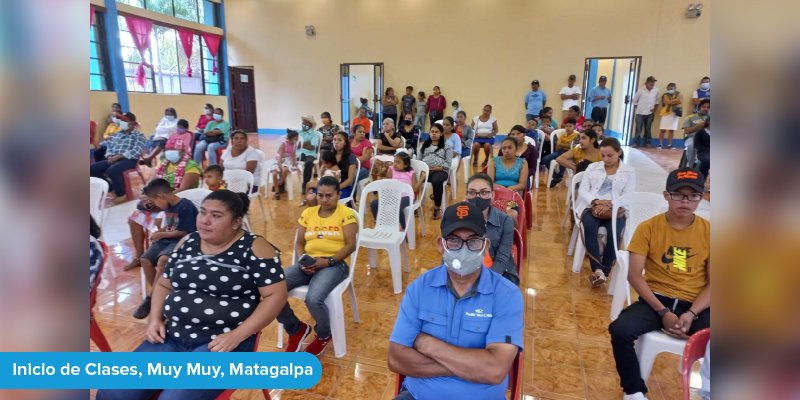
(644, 105)
(570, 96)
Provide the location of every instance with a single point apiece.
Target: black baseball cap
(463, 215)
(535, 82)
(603, 78)
(686, 177)
(651, 78)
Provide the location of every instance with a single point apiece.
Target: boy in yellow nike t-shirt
(674, 251)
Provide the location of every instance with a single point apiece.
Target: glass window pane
(160, 6)
(186, 9)
(96, 82)
(94, 66)
(165, 50)
(195, 83)
(135, 3)
(212, 89)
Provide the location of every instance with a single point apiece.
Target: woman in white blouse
(239, 155)
(603, 182)
(485, 126)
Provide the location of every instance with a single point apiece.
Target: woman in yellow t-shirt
(587, 152)
(325, 238)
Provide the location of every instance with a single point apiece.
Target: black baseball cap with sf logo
(463, 215)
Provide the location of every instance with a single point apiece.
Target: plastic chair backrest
(238, 180)
(530, 140)
(695, 349)
(92, 132)
(353, 186)
(500, 201)
(572, 193)
(516, 251)
(98, 188)
(99, 276)
(639, 206)
(196, 196)
(419, 167)
(262, 179)
(391, 193)
(554, 138)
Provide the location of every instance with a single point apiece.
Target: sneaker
(660, 147)
(297, 339)
(669, 147)
(143, 310)
(317, 346)
(635, 396)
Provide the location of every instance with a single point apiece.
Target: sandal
(597, 279)
(437, 213)
(277, 196)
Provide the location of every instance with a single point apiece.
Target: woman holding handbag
(603, 181)
(671, 113)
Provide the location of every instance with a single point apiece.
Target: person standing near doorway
(534, 101)
(600, 96)
(644, 105)
(671, 112)
(408, 101)
(389, 102)
(570, 95)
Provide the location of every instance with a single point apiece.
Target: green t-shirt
(222, 125)
(692, 120)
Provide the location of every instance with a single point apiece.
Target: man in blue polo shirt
(600, 96)
(460, 325)
(535, 100)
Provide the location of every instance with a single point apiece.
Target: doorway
(361, 81)
(243, 98)
(623, 77)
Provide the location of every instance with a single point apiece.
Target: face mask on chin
(306, 127)
(463, 261)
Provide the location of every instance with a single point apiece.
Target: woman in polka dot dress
(221, 286)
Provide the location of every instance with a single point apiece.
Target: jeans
(437, 178)
(419, 121)
(173, 344)
(546, 160)
(636, 320)
(201, 147)
(705, 162)
(308, 169)
(404, 202)
(691, 154)
(103, 169)
(591, 226)
(599, 115)
(319, 287)
(100, 153)
(643, 123)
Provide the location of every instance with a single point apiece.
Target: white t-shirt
(165, 129)
(483, 128)
(240, 161)
(568, 91)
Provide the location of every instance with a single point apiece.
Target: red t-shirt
(203, 121)
(359, 151)
(435, 104)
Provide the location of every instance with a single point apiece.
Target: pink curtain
(91, 15)
(212, 42)
(187, 41)
(140, 33)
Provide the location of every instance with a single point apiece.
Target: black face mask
(407, 122)
(480, 202)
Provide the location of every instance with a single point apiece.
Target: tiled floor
(567, 352)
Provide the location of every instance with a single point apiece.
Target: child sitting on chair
(212, 177)
(328, 167)
(286, 160)
(401, 170)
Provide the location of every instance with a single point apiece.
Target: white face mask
(123, 125)
(217, 117)
(670, 91)
(172, 156)
(169, 118)
(463, 261)
(115, 120)
(705, 85)
(207, 111)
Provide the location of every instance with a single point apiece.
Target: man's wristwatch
(662, 312)
(331, 261)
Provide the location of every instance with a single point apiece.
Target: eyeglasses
(456, 243)
(326, 195)
(678, 196)
(486, 194)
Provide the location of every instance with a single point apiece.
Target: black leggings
(437, 178)
(308, 169)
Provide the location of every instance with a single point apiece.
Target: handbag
(215, 138)
(678, 110)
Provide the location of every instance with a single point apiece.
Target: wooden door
(243, 98)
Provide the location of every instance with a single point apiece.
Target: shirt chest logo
(479, 312)
(678, 257)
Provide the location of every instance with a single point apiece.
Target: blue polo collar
(485, 281)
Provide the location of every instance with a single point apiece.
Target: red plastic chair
(95, 333)
(500, 201)
(516, 252)
(695, 349)
(514, 379)
(226, 395)
(92, 132)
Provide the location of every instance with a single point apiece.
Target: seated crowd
(213, 285)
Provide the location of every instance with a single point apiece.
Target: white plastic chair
(364, 182)
(419, 167)
(240, 181)
(98, 189)
(349, 199)
(263, 182)
(387, 233)
(650, 345)
(454, 177)
(579, 248)
(334, 303)
(553, 164)
(540, 146)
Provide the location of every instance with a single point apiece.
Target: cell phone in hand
(306, 260)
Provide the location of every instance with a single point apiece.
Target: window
(97, 68)
(166, 55)
(202, 11)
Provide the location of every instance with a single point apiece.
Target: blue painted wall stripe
(115, 65)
